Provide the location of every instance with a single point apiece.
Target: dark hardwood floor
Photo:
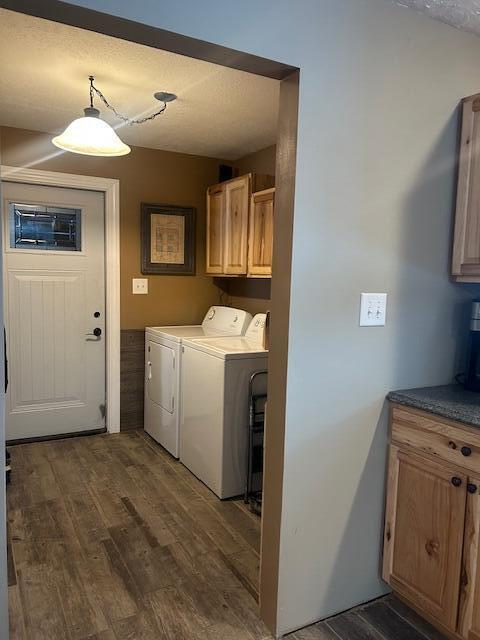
(112, 539)
(383, 619)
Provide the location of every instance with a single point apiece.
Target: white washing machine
(214, 427)
(163, 365)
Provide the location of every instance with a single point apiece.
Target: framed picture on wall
(168, 239)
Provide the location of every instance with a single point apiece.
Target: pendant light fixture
(92, 136)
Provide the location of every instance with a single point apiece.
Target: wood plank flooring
(383, 619)
(109, 538)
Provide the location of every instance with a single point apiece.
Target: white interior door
(55, 304)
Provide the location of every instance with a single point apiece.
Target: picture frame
(167, 239)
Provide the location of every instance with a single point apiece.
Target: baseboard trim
(58, 436)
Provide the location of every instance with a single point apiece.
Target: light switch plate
(139, 285)
(373, 309)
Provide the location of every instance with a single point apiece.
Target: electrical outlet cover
(140, 285)
(373, 309)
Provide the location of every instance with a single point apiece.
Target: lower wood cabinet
(432, 521)
(469, 602)
(425, 534)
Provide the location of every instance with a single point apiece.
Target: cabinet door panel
(260, 239)
(469, 601)
(426, 539)
(466, 244)
(237, 198)
(215, 222)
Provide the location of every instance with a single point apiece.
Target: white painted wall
(3, 529)
(375, 180)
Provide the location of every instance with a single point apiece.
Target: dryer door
(160, 375)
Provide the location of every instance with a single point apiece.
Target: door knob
(472, 488)
(466, 451)
(97, 332)
(456, 481)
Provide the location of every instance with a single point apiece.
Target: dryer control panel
(227, 320)
(256, 328)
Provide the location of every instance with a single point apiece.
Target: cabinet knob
(472, 488)
(466, 451)
(456, 481)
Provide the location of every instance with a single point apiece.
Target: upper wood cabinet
(215, 222)
(260, 234)
(237, 198)
(466, 240)
(237, 222)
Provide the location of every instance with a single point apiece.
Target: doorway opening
(106, 189)
(133, 475)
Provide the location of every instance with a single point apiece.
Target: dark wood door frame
(157, 38)
(278, 354)
(283, 230)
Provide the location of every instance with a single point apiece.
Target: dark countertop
(449, 401)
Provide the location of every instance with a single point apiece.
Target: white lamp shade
(91, 136)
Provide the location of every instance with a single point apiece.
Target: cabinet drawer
(421, 431)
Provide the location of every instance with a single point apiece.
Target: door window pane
(47, 228)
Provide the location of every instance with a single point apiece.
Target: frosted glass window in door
(44, 227)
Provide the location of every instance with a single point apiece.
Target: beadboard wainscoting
(132, 354)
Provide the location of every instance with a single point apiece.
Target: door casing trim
(111, 190)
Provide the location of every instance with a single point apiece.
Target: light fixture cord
(125, 119)
(91, 78)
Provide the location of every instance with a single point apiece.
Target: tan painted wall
(146, 175)
(251, 294)
(261, 162)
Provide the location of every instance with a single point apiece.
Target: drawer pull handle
(466, 451)
(472, 488)
(456, 481)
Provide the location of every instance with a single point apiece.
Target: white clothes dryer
(214, 427)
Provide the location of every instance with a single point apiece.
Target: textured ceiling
(44, 69)
(463, 14)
